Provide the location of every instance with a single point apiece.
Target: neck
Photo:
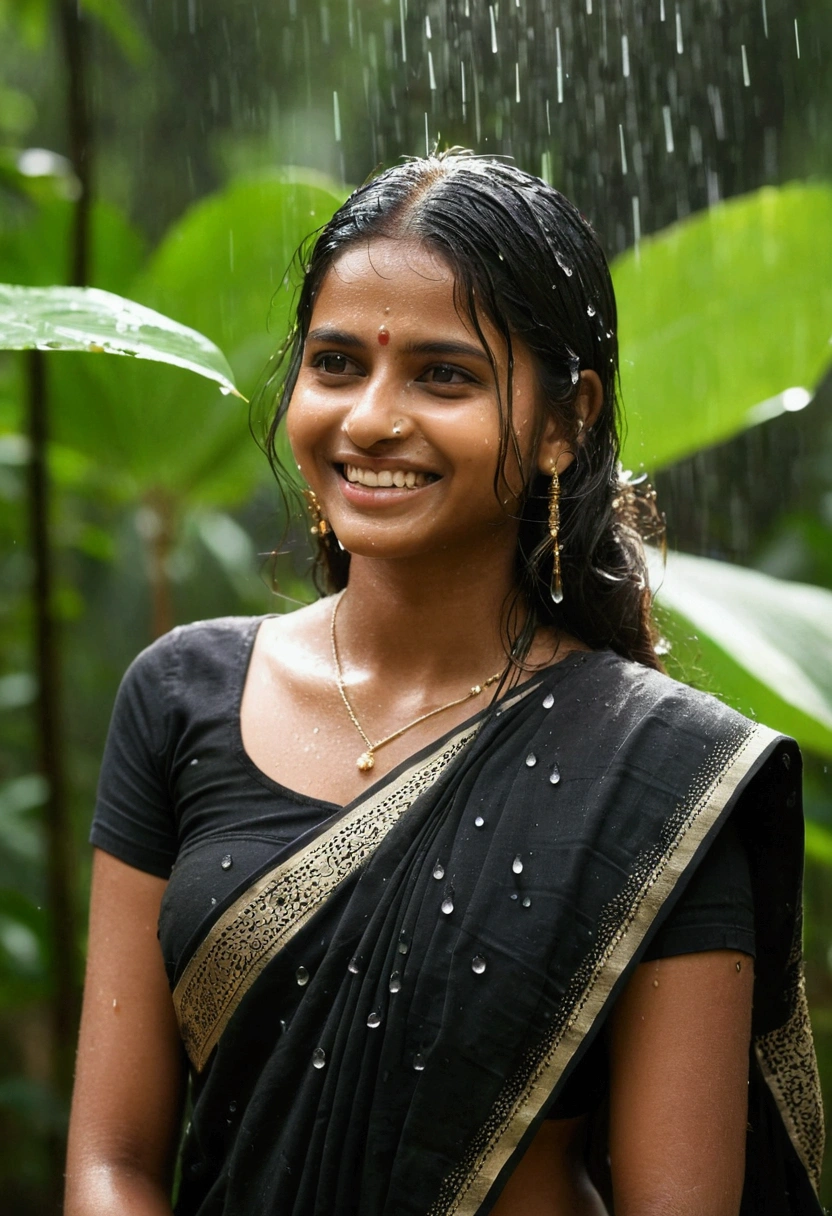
(438, 623)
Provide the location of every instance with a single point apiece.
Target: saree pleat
(393, 1051)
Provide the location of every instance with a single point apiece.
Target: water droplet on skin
(479, 822)
(531, 760)
(438, 871)
(447, 905)
(419, 1062)
(302, 976)
(554, 776)
(548, 701)
(318, 1057)
(478, 964)
(527, 903)
(227, 862)
(352, 966)
(517, 866)
(395, 984)
(374, 1020)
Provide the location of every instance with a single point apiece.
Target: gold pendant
(365, 762)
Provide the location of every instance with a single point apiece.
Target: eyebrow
(339, 337)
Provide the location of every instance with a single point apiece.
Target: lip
(379, 496)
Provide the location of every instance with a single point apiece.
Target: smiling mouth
(404, 479)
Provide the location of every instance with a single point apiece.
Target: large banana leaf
(221, 269)
(88, 319)
(765, 644)
(720, 313)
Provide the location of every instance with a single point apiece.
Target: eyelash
(319, 362)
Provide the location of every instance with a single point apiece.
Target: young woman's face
(395, 417)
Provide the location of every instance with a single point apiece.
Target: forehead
(392, 281)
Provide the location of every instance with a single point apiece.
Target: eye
(447, 374)
(334, 364)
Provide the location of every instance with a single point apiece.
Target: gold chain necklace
(367, 759)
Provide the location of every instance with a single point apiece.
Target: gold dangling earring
(554, 529)
(320, 524)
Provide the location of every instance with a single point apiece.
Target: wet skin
(419, 624)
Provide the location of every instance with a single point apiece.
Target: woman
(466, 895)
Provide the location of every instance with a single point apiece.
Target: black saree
(379, 1020)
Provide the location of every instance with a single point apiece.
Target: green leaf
(766, 644)
(720, 314)
(88, 319)
(222, 269)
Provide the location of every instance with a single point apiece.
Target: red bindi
(383, 335)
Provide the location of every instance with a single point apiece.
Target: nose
(378, 411)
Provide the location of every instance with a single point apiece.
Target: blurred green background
(176, 152)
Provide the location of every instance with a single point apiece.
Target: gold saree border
(252, 931)
(525, 1094)
(260, 922)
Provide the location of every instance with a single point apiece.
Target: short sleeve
(134, 816)
(716, 911)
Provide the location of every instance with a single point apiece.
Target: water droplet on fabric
(404, 945)
(590, 311)
(318, 1057)
(478, 964)
(514, 895)
(517, 866)
(554, 776)
(227, 862)
(527, 902)
(232, 1106)
(548, 701)
(395, 984)
(438, 871)
(213, 900)
(531, 760)
(447, 905)
(419, 1062)
(374, 1020)
(352, 966)
(479, 822)
(194, 761)
(302, 976)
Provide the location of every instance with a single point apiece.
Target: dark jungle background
(176, 152)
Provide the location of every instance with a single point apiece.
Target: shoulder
(638, 692)
(199, 646)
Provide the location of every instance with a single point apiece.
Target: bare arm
(127, 1102)
(679, 1086)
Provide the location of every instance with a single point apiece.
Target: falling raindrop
(227, 862)
(493, 18)
(478, 964)
(395, 984)
(336, 113)
(680, 46)
(447, 905)
(554, 776)
(531, 760)
(548, 701)
(668, 128)
(302, 976)
(318, 1057)
(746, 77)
(517, 866)
(374, 1020)
(559, 65)
(438, 871)
(625, 55)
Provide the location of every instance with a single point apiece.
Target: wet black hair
(523, 256)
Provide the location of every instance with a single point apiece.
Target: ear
(557, 450)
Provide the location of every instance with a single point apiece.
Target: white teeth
(386, 477)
